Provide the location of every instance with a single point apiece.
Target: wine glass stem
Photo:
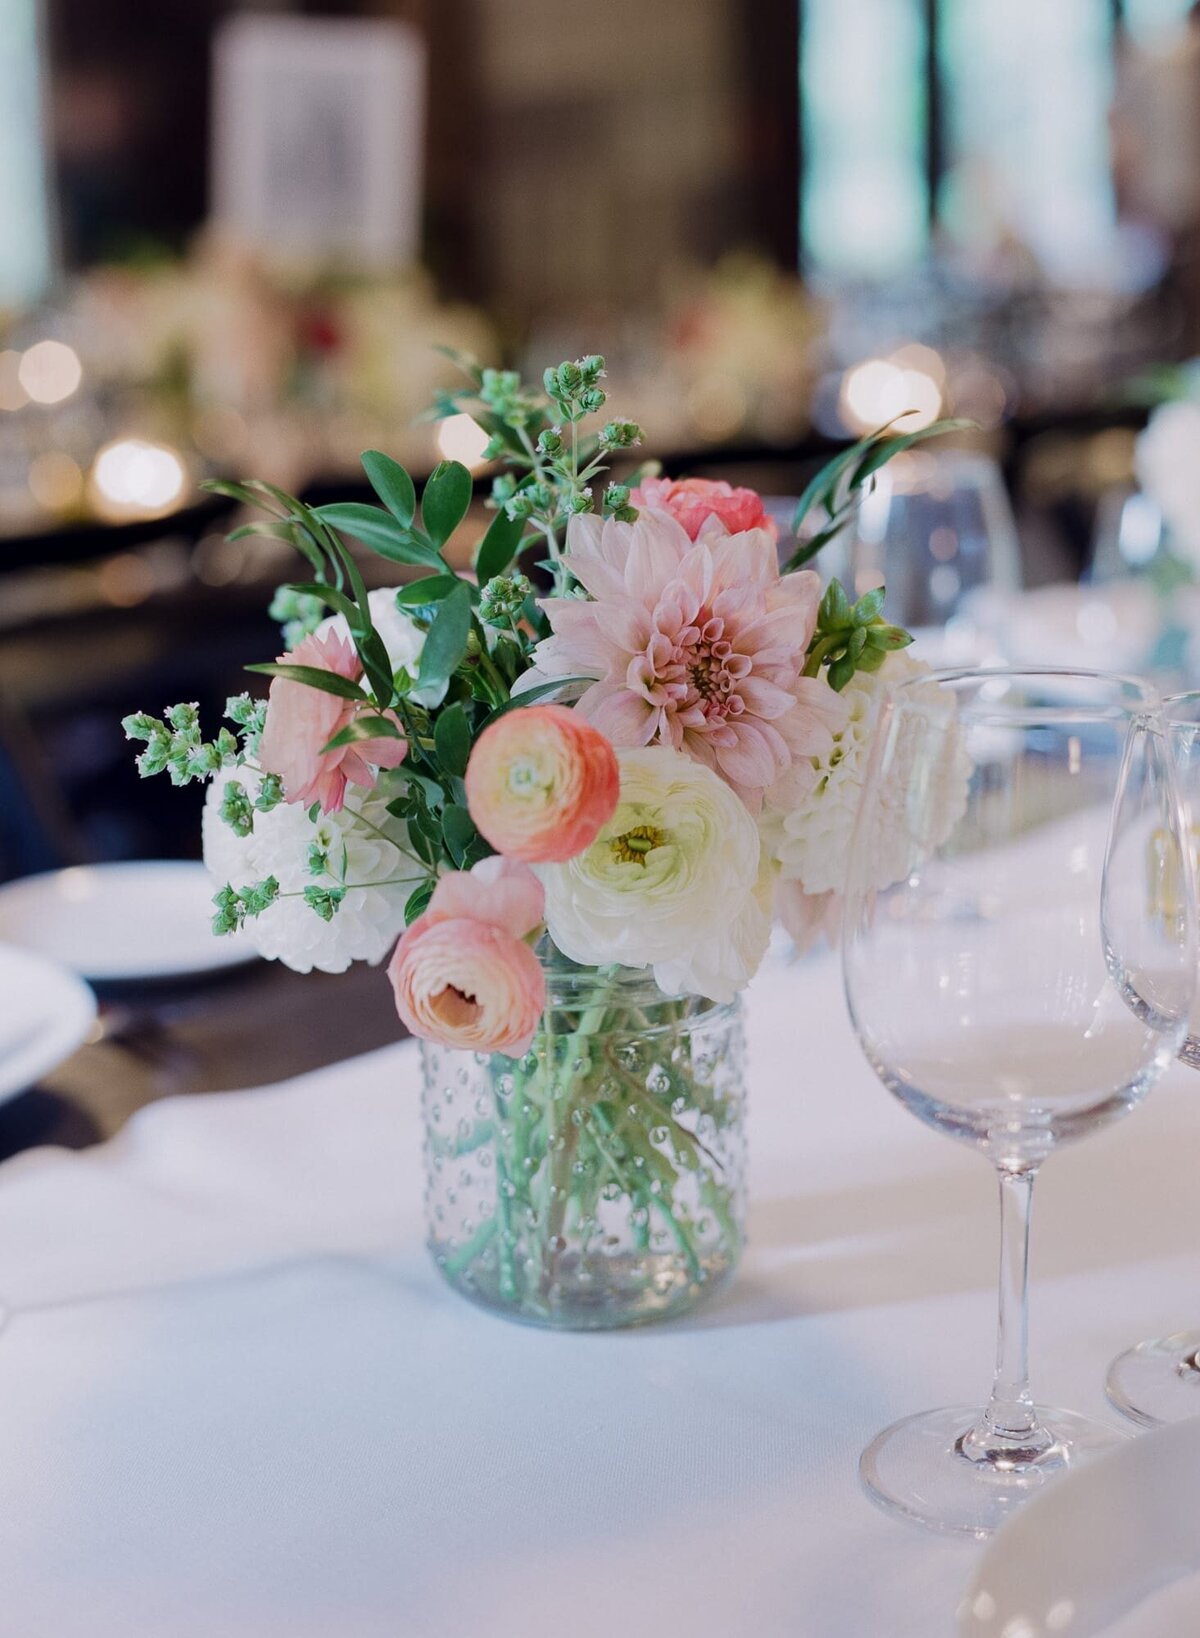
(1009, 1426)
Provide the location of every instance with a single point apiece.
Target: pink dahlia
(691, 501)
(699, 645)
(302, 720)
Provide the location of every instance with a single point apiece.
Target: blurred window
(984, 121)
(1027, 89)
(25, 239)
(1147, 20)
(863, 113)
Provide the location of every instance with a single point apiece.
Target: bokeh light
(50, 371)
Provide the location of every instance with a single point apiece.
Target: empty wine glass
(936, 528)
(1019, 962)
(1159, 1381)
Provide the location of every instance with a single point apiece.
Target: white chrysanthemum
(814, 840)
(1169, 472)
(669, 883)
(369, 919)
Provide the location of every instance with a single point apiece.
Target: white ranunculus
(813, 838)
(1167, 461)
(369, 920)
(669, 883)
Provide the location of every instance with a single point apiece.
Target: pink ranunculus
(462, 974)
(541, 784)
(700, 645)
(302, 720)
(691, 501)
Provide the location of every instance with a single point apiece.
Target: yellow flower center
(633, 846)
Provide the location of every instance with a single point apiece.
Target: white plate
(1091, 1556)
(46, 1012)
(150, 919)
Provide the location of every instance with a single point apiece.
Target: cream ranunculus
(668, 883)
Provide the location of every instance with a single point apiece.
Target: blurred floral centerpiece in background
(566, 815)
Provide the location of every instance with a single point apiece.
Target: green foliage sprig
(837, 491)
(851, 637)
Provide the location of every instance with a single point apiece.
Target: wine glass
(936, 528)
(1019, 963)
(1159, 1381)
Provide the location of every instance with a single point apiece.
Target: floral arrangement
(638, 764)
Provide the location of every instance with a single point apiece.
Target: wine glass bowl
(1018, 959)
(1159, 1381)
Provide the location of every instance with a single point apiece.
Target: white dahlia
(812, 840)
(369, 919)
(669, 883)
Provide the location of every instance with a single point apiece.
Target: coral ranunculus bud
(541, 783)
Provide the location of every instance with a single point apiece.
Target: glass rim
(1143, 700)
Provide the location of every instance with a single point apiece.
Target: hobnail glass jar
(599, 1180)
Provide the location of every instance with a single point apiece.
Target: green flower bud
(616, 497)
(620, 434)
(592, 399)
(591, 368)
(568, 377)
(519, 507)
(579, 502)
(550, 442)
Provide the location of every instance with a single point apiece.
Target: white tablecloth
(236, 1401)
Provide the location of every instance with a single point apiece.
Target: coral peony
(541, 782)
(462, 974)
(692, 501)
(302, 720)
(699, 645)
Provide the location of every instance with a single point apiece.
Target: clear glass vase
(599, 1180)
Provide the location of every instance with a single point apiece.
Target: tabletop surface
(241, 1404)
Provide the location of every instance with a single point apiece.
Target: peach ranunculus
(691, 501)
(462, 974)
(541, 784)
(302, 720)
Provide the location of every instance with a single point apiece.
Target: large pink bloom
(692, 501)
(698, 644)
(302, 720)
(462, 974)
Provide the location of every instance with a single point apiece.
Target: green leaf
(430, 589)
(539, 692)
(887, 638)
(446, 644)
(330, 595)
(363, 728)
(379, 530)
(313, 677)
(418, 901)
(392, 484)
(452, 739)
(378, 666)
(445, 500)
(884, 447)
(840, 673)
(499, 546)
(835, 607)
(869, 607)
(458, 828)
(429, 788)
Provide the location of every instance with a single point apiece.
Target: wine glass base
(1157, 1381)
(917, 1469)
